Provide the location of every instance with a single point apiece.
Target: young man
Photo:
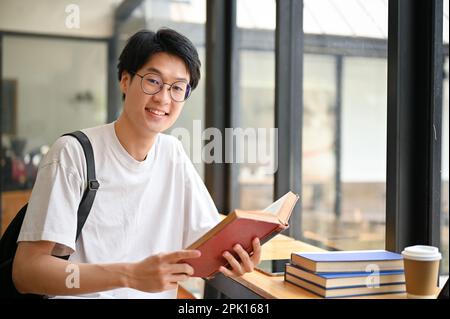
(151, 202)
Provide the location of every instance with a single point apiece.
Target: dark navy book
(347, 279)
(348, 261)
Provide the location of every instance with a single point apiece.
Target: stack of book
(340, 274)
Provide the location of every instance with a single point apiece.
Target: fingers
(256, 257)
(181, 269)
(246, 262)
(237, 269)
(176, 278)
(179, 255)
(226, 272)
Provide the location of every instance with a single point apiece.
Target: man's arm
(36, 271)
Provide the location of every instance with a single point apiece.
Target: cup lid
(421, 252)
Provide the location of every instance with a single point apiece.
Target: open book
(240, 227)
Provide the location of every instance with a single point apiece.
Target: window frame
(402, 226)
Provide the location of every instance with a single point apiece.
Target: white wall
(49, 73)
(49, 17)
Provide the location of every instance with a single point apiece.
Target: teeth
(157, 112)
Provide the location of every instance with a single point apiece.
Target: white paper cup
(421, 265)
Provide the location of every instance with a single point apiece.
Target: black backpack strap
(92, 183)
(8, 242)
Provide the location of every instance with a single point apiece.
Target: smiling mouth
(156, 112)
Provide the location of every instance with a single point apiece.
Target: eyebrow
(154, 70)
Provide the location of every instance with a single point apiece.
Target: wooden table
(259, 285)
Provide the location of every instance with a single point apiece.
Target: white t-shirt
(141, 208)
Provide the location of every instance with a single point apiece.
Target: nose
(163, 96)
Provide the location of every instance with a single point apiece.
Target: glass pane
(344, 124)
(257, 95)
(254, 14)
(256, 103)
(445, 24)
(363, 166)
(318, 155)
(50, 87)
(348, 18)
(187, 11)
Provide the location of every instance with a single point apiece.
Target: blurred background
(58, 74)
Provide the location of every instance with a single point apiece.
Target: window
(318, 155)
(41, 108)
(50, 86)
(344, 124)
(256, 109)
(256, 23)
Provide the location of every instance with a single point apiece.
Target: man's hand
(247, 263)
(161, 272)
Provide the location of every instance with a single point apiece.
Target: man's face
(151, 114)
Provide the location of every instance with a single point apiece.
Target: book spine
(269, 236)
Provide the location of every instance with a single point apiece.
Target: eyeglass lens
(152, 84)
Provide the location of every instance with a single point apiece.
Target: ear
(125, 82)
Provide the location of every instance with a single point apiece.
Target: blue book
(348, 261)
(347, 279)
(344, 292)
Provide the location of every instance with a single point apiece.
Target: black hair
(143, 44)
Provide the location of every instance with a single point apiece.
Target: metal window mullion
(435, 123)
(233, 89)
(414, 123)
(220, 102)
(289, 103)
(338, 137)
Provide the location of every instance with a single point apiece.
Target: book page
(275, 207)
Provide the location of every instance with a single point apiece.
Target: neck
(134, 142)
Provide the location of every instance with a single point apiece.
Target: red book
(240, 227)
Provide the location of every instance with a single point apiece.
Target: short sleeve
(200, 211)
(52, 209)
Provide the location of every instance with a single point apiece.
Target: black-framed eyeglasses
(152, 83)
